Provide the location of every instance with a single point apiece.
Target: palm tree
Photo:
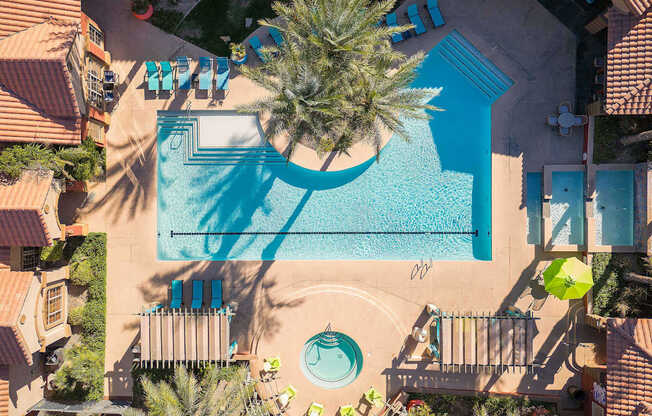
(336, 80)
(187, 396)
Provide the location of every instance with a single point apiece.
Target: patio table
(566, 120)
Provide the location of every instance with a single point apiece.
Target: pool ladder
(330, 337)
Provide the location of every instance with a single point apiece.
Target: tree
(81, 376)
(643, 136)
(336, 80)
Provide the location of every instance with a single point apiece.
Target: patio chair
(222, 81)
(316, 409)
(205, 73)
(415, 19)
(197, 294)
(552, 121)
(347, 410)
(216, 294)
(435, 340)
(167, 77)
(580, 121)
(272, 364)
(564, 131)
(108, 96)
(435, 13)
(374, 398)
(275, 34)
(391, 20)
(152, 76)
(183, 72)
(177, 294)
(255, 44)
(564, 107)
(286, 395)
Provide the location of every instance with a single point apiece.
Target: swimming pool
(613, 207)
(427, 199)
(331, 360)
(567, 208)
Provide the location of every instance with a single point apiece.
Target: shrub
(613, 296)
(166, 20)
(81, 375)
(53, 253)
(81, 273)
(75, 315)
(94, 324)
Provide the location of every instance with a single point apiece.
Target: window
(53, 306)
(96, 36)
(31, 257)
(96, 131)
(95, 92)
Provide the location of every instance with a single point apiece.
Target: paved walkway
(281, 303)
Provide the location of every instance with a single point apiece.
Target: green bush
(81, 376)
(613, 296)
(448, 404)
(75, 315)
(94, 324)
(166, 20)
(81, 273)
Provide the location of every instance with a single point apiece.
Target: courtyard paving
(282, 303)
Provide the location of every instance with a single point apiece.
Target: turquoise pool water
(613, 207)
(567, 208)
(427, 199)
(331, 360)
(533, 207)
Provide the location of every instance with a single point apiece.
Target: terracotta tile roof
(14, 287)
(638, 6)
(629, 63)
(629, 366)
(16, 15)
(4, 390)
(21, 215)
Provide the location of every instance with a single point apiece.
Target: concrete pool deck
(282, 303)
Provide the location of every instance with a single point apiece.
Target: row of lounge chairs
(257, 46)
(176, 300)
(413, 14)
(163, 78)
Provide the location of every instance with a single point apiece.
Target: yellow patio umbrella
(568, 278)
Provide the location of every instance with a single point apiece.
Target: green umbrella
(568, 278)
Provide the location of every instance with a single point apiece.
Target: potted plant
(238, 53)
(142, 9)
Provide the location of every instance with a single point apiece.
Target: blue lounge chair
(435, 13)
(152, 76)
(197, 294)
(183, 72)
(255, 44)
(391, 21)
(167, 78)
(205, 73)
(222, 81)
(216, 294)
(177, 294)
(415, 19)
(276, 35)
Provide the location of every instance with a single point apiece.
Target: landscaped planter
(146, 15)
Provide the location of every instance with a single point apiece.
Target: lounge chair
(435, 13)
(564, 107)
(286, 395)
(183, 72)
(275, 34)
(391, 21)
(255, 44)
(374, 398)
(415, 19)
(216, 294)
(222, 81)
(347, 410)
(153, 307)
(177, 294)
(316, 409)
(167, 76)
(197, 294)
(435, 340)
(205, 73)
(272, 364)
(152, 76)
(564, 131)
(580, 121)
(552, 121)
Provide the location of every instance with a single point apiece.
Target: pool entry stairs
(183, 134)
(463, 56)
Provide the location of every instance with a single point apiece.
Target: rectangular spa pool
(613, 207)
(567, 208)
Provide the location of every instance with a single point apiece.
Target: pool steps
(188, 129)
(464, 57)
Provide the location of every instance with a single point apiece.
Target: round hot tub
(331, 360)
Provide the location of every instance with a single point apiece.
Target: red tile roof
(21, 210)
(14, 287)
(16, 15)
(629, 366)
(4, 390)
(638, 6)
(629, 62)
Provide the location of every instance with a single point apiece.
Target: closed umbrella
(568, 278)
